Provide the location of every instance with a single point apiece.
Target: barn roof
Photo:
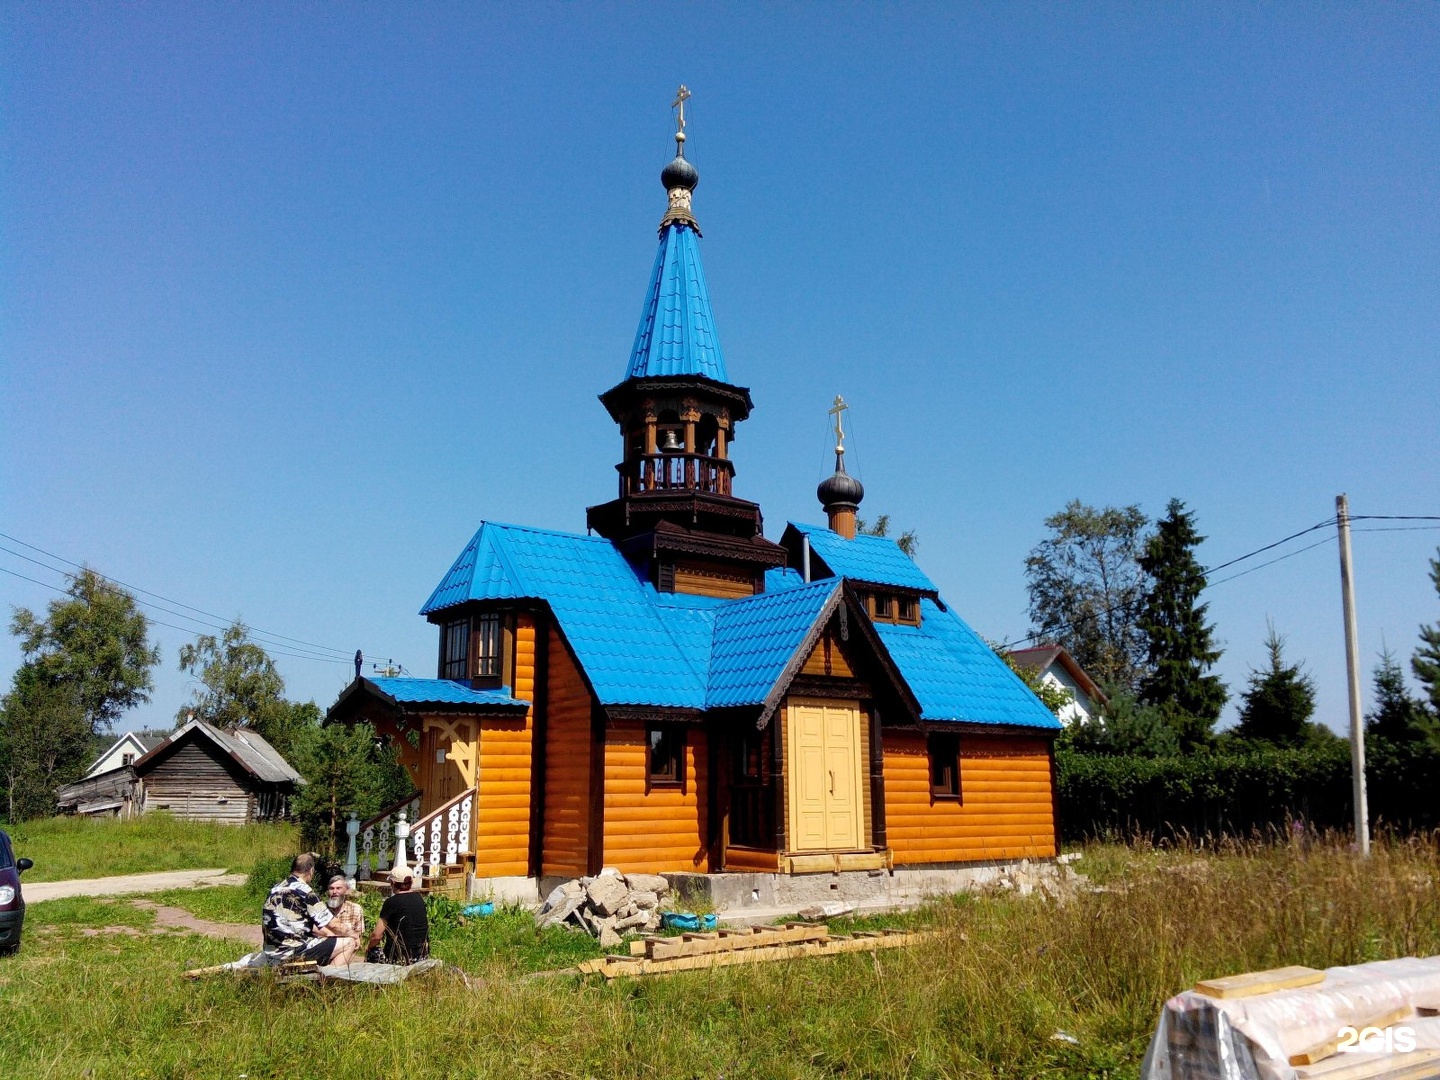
(246, 748)
(640, 647)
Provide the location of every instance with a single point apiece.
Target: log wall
(566, 829)
(1006, 807)
(502, 831)
(660, 829)
(193, 785)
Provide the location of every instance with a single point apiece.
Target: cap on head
(401, 875)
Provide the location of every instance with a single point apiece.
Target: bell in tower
(675, 514)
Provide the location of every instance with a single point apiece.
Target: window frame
(127, 759)
(488, 664)
(452, 658)
(942, 748)
(655, 736)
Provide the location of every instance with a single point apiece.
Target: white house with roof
(1055, 667)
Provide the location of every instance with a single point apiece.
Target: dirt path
(180, 919)
(129, 883)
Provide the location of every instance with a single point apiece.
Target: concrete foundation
(744, 898)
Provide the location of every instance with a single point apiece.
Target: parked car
(12, 904)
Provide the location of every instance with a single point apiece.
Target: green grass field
(981, 999)
(74, 847)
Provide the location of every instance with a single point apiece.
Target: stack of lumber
(655, 955)
(1368, 1021)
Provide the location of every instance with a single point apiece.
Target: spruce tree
(1181, 647)
(1398, 717)
(1279, 701)
(1426, 661)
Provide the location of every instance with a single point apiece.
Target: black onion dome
(842, 489)
(680, 174)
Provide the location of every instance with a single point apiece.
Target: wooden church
(673, 691)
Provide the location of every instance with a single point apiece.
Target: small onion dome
(679, 174)
(842, 489)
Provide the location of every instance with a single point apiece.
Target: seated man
(403, 926)
(348, 917)
(296, 922)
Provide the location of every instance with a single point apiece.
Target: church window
(666, 744)
(944, 753)
(488, 658)
(455, 650)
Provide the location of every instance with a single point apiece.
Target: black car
(12, 904)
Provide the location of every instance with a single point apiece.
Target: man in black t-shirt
(403, 926)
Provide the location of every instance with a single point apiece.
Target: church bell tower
(676, 516)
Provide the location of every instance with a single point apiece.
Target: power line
(1272, 562)
(259, 636)
(1260, 551)
(270, 649)
(1399, 528)
(189, 607)
(1395, 517)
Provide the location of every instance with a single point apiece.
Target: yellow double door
(825, 797)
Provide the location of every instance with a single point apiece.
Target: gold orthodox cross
(681, 96)
(838, 411)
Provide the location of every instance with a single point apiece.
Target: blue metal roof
(877, 560)
(634, 650)
(641, 647)
(677, 330)
(956, 676)
(444, 692)
(757, 637)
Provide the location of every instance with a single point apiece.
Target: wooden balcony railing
(675, 472)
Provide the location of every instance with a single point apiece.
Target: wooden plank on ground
(1259, 982)
(633, 966)
(1330, 1047)
(697, 945)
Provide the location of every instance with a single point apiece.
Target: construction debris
(607, 905)
(724, 948)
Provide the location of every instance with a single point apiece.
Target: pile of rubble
(607, 905)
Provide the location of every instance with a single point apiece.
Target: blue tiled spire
(677, 330)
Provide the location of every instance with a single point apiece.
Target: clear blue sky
(293, 296)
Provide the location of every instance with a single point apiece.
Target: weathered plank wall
(502, 831)
(1006, 809)
(193, 785)
(567, 765)
(663, 829)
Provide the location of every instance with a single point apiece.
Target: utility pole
(1352, 666)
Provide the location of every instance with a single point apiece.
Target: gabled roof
(142, 744)
(874, 560)
(244, 747)
(758, 638)
(956, 676)
(1043, 657)
(677, 330)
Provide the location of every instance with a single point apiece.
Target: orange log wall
(1006, 809)
(502, 842)
(567, 766)
(664, 829)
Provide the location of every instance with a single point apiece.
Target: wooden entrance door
(826, 811)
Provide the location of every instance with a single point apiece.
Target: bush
(1243, 790)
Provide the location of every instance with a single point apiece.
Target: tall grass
(74, 847)
(982, 998)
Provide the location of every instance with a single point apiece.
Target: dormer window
(473, 650)
(892, 607)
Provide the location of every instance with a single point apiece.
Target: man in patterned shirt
(296, 922)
